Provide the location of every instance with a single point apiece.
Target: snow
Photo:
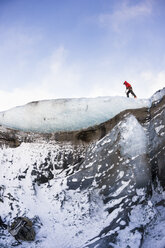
(120, 175)
(67, 114)
(120, 189)
(66, 215)
(159, 128)
(158, 95)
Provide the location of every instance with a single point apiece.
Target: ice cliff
(67, 114)
(99, 183)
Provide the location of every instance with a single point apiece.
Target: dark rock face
(156, 130)
(106, 163)
(119, 161)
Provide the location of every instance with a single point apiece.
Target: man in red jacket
(129, 89)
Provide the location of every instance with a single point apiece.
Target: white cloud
(20, 96)
(150, 82)
(54, 77)
(59, 80)
(60, 75)
(158, 82)
(125, 12)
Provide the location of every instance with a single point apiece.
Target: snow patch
(157, 129)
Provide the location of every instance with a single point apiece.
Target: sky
(80, 48)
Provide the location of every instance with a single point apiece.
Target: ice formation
(67, 114)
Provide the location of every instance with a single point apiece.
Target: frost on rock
(157, 96)
(66, 216)
(67, 114)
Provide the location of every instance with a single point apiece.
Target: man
(129, 89)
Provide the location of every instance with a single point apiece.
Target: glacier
(99, 187)
(58, 115)
(67, 114)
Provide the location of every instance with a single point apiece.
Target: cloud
(21, 96)
(56, 74)
(61, 75)
(53, 77)
(150, 82)
(30, 73)
(124, 13)
(58, 77)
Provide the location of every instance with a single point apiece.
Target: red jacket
(127, 84)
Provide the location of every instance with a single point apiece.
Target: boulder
(22, 229)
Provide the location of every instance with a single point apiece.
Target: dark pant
(130, 91)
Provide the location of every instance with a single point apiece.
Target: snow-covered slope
(67, 114)
(104, 193)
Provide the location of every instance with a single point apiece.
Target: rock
(2, 224)
(22, 229)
